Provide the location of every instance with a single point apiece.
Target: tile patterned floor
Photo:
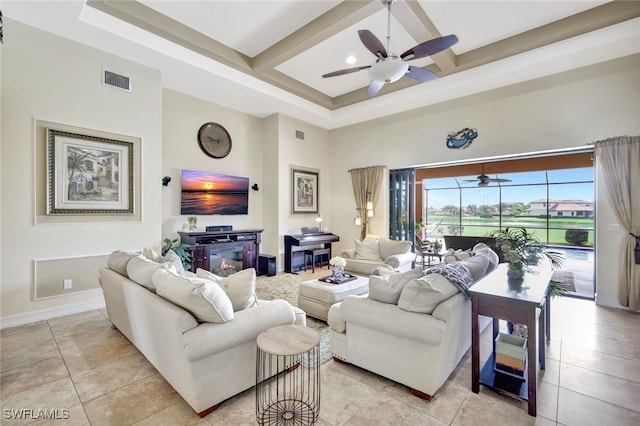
(81, 364)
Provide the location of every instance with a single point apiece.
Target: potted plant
(521, 248)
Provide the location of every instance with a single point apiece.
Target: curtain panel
(402, 219)
(619, 161)
(366, 180)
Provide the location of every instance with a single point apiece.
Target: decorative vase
(338, 272)
(515, 274)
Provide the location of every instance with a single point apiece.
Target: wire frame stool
(288, 376)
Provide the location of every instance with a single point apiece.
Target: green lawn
(477, 226)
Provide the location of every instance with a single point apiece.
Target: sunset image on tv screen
(206, 193)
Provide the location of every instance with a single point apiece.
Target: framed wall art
(304, 191)
(88, 175)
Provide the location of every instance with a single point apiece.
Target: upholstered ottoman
(316, 297)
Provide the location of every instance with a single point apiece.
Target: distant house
(561, 208)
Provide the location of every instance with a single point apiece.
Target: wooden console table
(245, 240)
(493, 297)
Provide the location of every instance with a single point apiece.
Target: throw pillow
(367, 251)
(390, 247)
(423, 294)
(477, 266)
(151, 254)
(240, 287)
(457, 273)
(204, 299)
(387, 288)
(494, 259)
(140, 269)
(118, 260)
(172, 260)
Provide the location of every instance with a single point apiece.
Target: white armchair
(374, 252)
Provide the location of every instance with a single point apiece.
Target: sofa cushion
(367, 250)
(456, 273)
(452, 256)
(140, 269)
(204, 299)
(477, 266)
(387, 288)
(423, 294)
(118, 260)
(485, 250)
(390, 247)
(240, 287)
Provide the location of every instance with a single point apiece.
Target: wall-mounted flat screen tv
(206, 193)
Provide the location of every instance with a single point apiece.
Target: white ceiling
(263, 57)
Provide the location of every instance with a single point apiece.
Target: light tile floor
(81, 364)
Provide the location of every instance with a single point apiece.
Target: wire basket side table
(288, 376)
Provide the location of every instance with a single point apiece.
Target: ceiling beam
(344, 15)
(139, 15)
(416, 22)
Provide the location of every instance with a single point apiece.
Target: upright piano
(291, 241)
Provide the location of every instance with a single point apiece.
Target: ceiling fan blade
(372, 43)
(422, 75)
(430, 47)
(499, 180)
(346, 71)
(374, 87)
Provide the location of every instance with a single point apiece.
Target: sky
(204, 181)
(560, 188)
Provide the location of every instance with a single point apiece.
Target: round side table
(288, 376)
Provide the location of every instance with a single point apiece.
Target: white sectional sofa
(205, 362)
(412, 329)
(376, 252)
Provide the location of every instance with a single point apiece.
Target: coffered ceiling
(264, 57)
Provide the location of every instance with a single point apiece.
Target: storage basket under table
(511, 354)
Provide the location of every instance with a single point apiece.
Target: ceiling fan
(484, 180)
(390, 67)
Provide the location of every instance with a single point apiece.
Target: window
(553, 204)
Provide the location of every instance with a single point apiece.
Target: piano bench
(316, 252)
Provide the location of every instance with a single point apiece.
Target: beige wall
(48, 78)
(559, 112)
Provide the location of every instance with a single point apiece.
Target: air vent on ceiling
(299, 134)
(118, 81)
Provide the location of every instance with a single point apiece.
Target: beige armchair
(376, 252)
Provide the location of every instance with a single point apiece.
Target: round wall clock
(214, 140)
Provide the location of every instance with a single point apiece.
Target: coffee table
(316, 297)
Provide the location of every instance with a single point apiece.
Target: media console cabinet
(223, 252)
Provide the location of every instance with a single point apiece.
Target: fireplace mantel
(202, 243)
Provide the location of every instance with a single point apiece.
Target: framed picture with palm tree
(88, 175)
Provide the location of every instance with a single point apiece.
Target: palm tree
(75, 163)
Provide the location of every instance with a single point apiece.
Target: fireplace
(224, 261)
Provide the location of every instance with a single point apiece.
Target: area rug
(566, 278)
(285, 286)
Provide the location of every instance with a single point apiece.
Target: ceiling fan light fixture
(388, 69)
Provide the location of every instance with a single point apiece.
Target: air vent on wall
(118, 81)
(299, 134)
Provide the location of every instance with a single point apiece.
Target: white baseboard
(609, 302)
(47, 314)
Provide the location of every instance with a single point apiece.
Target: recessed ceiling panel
(249, 27)
(479, 23)
(331, 55)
